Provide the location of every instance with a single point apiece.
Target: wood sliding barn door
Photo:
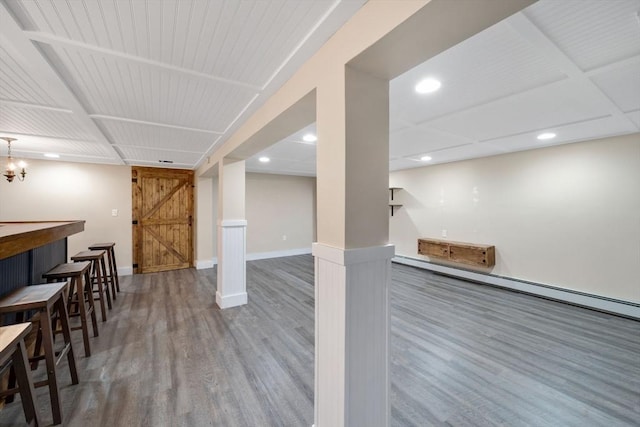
(162, 219)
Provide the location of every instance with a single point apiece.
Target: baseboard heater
(596, 302)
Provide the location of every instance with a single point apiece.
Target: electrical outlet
(444, 233)
(114, 212)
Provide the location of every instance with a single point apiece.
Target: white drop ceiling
(570, 67)
(136, 82)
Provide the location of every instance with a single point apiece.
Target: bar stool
(98, 273)
(80, 298)
(46, 300)
(12, 348)
(111, 261)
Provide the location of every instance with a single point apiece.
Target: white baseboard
(231, 300)
(209, 263)
(125, 271)
(602, 303)
(206, 263)
(277, 254)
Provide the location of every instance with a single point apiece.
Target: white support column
(232, 226)
(352, 257)
(352, 335)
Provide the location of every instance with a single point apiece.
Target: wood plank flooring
(462, 355)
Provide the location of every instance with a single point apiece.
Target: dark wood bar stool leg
(113, 268)
(88, 289)
(80, 296)
(12, 347)
(112, 255)
(20, 362)
(50, 356)
(63, 315)
(101, 294)
(102, 275)
(98, 277)
(46, 300)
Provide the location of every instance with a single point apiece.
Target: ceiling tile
(592, 33)
(287, 167)
(288, 150)
(634, 116)
(16, 84)
(143, 135)
(535, 110)
(396, 122)
(419, 140)
(402, 163)
(29, 121)
(245, 41)
(121, 88)
(491, 65)
(34, 146)
(137, 154)
(591, 129)
(622, 85)
(299, 136)
(463, 152)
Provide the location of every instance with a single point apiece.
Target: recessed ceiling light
(264, 159)
(546, 135)
(310, 138)
(428, 85)
(52, 155)
(425, 158)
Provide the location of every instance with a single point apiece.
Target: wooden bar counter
(28, 249)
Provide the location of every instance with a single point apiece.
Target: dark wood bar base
(29, 249)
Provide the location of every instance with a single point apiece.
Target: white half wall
(55, 190)
(565, 216)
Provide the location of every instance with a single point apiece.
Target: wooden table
(29, 249)
(12, 348)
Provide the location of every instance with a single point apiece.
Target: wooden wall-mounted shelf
(461, 252)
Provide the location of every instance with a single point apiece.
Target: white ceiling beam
(20, 104)
(54, 138)
(634, 60)
(143, 122)
(31, 59)
(171, 150)
(65, 42)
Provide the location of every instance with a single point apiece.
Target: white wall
(276, 206)
(279, 206)
(566, 216)
(205, 222)
(56, 190)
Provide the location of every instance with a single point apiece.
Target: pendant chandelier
(10, 168)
